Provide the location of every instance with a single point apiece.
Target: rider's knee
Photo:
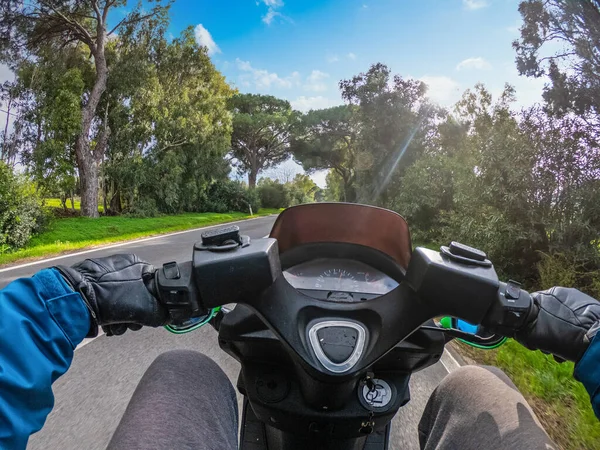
(189, 364)
(182, 358)
(475, 378)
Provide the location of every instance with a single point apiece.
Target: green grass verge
(74, 233)
(561, 403)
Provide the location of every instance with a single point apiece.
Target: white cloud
(272, 13)
(317, 75)
(365, 6)
(304, 104)
(244, 65)
(474, 63)
(263, 79)
(273, 3)
(441, 89)
(320, 178)
(475, 4)
(351, 56)
(204, 38)
(333, 58)
(316, 81)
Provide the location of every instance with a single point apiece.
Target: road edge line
(121, 244)
(449, 362)
(86, 341)
(451, 358)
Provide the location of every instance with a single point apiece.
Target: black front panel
(285, 396)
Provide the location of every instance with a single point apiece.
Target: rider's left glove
(563, 322)
(119, 291)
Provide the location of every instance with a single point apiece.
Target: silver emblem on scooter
(338, 344)
(378, 395)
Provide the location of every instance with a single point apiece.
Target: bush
(252, 199)
(21, 213)
(567, 269)
(273, 194)
(144, 207)
(227, 195)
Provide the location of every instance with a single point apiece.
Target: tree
(28, 26)
(566, 180)
(262, 130)
(574, 70)
(273, 194)
(333, 190)
(396, 122)
(172, 125)
(49, 92)
(496, 203)
(302, 189)
(328, 139)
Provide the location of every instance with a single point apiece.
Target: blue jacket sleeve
(587, 371)
(41, 322)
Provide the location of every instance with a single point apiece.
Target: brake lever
(458, 334)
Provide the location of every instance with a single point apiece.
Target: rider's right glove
(119, 291)
(564, 322)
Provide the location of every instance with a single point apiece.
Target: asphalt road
(92, 396)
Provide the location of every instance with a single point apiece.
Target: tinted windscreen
(370, 226)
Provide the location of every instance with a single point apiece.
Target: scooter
(333, 313)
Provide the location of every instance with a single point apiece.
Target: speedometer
(337, 280)
(333, 275)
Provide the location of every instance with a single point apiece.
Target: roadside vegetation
(68, 234)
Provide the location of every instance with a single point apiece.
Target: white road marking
(449, 362)
(121, 244)
(86, 341)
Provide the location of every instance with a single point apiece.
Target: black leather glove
(564, 324)
(119, 292)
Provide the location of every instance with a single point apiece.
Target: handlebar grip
(513, 311)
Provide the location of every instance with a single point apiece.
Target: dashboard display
(339, 275)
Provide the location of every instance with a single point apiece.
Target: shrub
(273, 194)
(21, 213)
(227, 195)
(566, 269)
(144, 207)
(252, 199)
(514, 248)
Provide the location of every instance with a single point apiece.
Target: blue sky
(300, 49)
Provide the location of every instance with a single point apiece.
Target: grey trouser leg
(478, 407)
(183, 401)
